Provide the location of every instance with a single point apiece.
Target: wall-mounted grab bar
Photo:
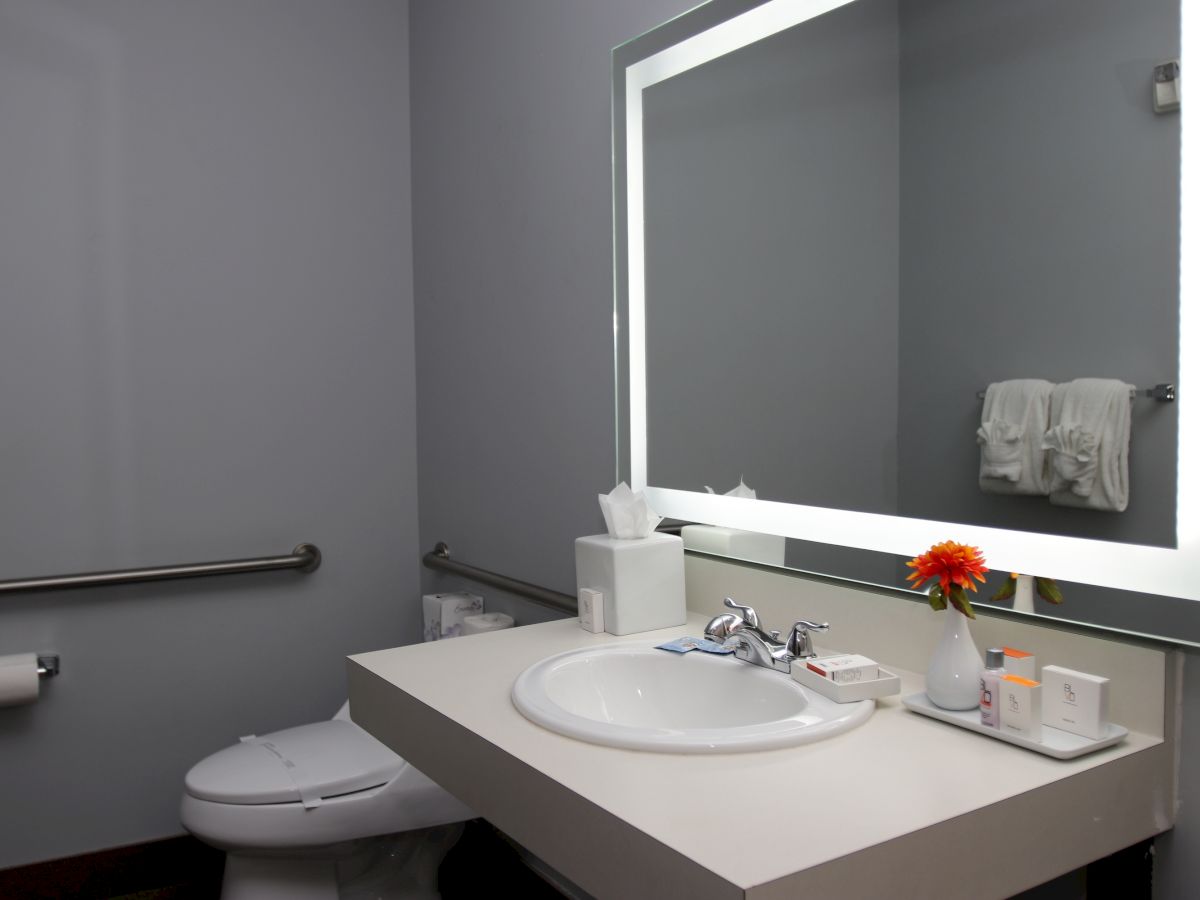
(305, 558)
(1163, 393)
(439, 558)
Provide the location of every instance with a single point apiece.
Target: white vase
(952, 681)
(1023, 597)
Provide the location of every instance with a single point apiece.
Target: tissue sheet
(626, 513)
(741, 490)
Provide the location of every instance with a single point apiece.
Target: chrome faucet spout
(750, 646)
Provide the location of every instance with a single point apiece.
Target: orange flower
(953, 565)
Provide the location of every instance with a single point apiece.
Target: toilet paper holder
(47, 666)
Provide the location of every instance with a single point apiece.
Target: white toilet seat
(313, 786)
(309, 764)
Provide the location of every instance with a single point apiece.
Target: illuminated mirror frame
(1132, 567)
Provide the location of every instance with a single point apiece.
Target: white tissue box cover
(444, 613)
(753, 546)
(641, 580)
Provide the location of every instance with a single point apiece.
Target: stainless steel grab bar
(305, 558)
(439, 558)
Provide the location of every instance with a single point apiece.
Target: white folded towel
(1015, 416)
(1088, 442)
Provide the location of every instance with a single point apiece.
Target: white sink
(641, 698)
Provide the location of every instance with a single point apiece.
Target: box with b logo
(1075, 701)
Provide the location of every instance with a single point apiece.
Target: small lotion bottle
(989, 687)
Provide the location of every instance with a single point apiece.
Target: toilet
(321, 812)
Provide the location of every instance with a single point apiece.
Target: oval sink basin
(641, 698)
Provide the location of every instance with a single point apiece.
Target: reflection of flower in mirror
(953, 565)
(1047, 589)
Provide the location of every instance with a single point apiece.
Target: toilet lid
(305, 764)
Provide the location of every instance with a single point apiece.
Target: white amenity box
(444, 613)
(1075, 701)
(641, 580)
(1020, 707)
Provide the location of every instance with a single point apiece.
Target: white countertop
(749, 818)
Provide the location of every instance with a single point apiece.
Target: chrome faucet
(749, 647)
(745, 636)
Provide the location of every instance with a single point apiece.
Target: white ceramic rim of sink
(530, 697)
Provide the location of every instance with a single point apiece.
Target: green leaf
(1048, 590)
(958, 597)
(936, 598)
(1007, 590)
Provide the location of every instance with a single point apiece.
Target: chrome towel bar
(1163, 393)
(439, 558)
(305, 558)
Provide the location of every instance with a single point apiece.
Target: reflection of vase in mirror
(1023, 594)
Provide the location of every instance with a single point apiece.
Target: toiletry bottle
(989, 693)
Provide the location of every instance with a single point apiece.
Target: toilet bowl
(321, 811)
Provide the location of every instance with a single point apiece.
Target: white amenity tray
(1055, 742)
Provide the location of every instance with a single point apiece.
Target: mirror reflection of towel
(1073, 459)
(1088, 440)
(1015, 416)
(1000, 450)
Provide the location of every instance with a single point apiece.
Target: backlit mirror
(839, 222)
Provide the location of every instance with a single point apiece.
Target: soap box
(1020, 706)
(641, 580)
(444, 613)
(844, 669)
(1020, 663)
(1075, 701)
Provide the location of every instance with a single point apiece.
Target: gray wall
(1075, 273)
(1039, 239)
(772, 189)
(797, 158)
(206, 352)
(512, 200)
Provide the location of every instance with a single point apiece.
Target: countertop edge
(525, 803)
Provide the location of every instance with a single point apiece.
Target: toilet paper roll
(18, 679)
(486, 622)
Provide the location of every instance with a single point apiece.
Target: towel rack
(305, 558)
(439, 558)
(1163, 393)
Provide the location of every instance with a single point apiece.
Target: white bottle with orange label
(989, 690)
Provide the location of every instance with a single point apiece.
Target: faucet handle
(799, 643)
(749, 616)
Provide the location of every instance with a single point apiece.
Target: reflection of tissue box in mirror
(444, 613)
(753, 546)
(641, 580)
